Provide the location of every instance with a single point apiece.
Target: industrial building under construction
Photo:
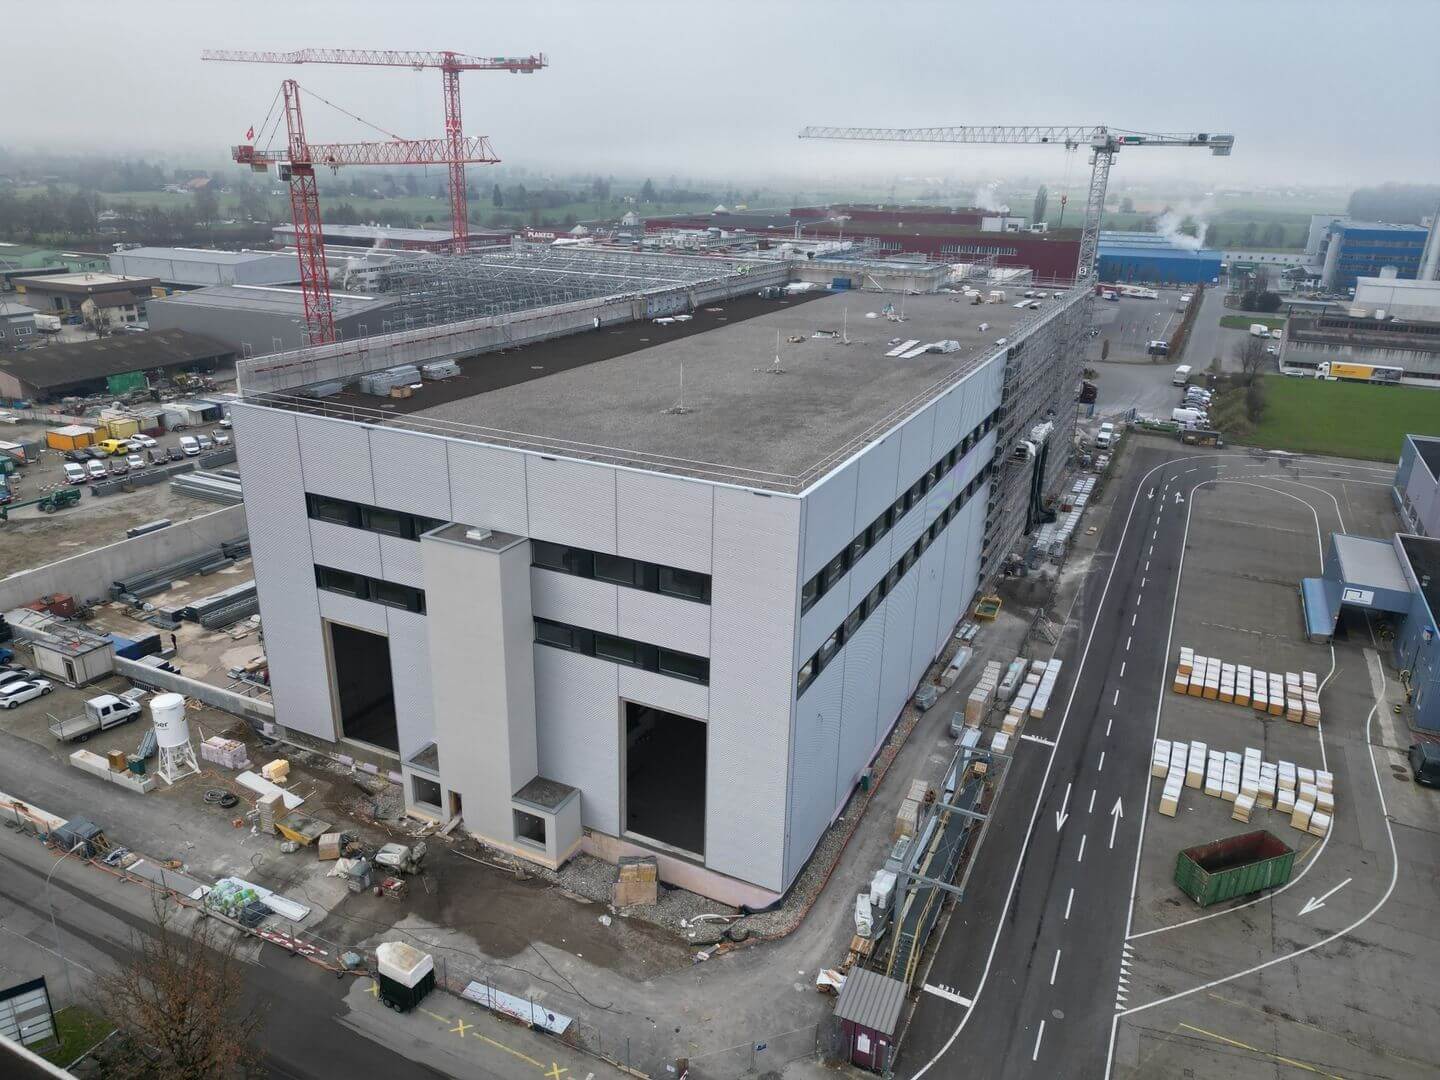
(643, 553)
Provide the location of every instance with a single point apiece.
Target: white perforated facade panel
(860, 703)
(347, 610)
(343, 548)
(752, 632)
(878, 472)
(662, 692)
(664, 519)
(917, 440)
(571, 502)
(335, 457)
(400, 561)
(411, 472)
(577, 722)
(895, 663)
(268, 451)
(829, 518)
(577, 601)
(664, 620)
(410, 672)
(927, 609)
(487, 487)
(812, 764)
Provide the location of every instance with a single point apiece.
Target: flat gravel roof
(740, 414)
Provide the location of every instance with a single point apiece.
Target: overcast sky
(1315, 91)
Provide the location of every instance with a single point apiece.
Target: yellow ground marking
(555, 1072)
(373, 989)
(1263, 1053)
(460, 1028)
(1322, 1031)
(437, 1016)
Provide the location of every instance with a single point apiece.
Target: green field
(80, 1030)
(1344, 419)
(1242, 322)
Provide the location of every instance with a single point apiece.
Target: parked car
(135, 461)
(15, 694)
(1425, 763)
(206, 443)
(81, 455)
(222, 438)
(1105, 436)
(96, 453)
(74, 474)
(96, 470)
(175, 453)
(189, 445)
(114, 447)
(119, 467)
(144, 442)
(16, 673)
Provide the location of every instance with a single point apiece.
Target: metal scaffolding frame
(433, 290)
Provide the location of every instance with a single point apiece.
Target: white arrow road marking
(1151, 495)
(1314, 905)
(948, 994)
(1116, 813)
(1038, 1036)
(1062, 814)
(1179, 498)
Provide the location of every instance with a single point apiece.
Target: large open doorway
(363, 686)
(665, 778)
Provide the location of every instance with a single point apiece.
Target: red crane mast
(450, 63)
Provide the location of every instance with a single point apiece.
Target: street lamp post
(59, 944)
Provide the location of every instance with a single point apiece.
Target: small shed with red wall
(869, 1012)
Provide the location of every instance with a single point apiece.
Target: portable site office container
(406, 974)
(869, 1012)
(74, 662)
(71, 437)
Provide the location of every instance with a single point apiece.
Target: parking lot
(30, 537)
(1334, 973)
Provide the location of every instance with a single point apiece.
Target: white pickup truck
(101, 713)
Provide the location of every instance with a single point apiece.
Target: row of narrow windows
(618, 650)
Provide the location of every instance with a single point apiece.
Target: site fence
(768, 1054)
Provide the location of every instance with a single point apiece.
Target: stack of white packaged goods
(1000, 742)
(1014, 676)
(1266, 795)
(1294, 700)
(1215, 773)
(1041, 700)
(980, 697)
(1277, 694)
(1227, 682)
(1184, 669)
(1174, 780)
(1195, 768)
(1160, 758)
(1243, 684)
(1285, 787)
(1230, 791)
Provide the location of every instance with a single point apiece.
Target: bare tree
(1252, 357)
(180, 1000)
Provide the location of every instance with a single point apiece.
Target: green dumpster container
(1235, 866)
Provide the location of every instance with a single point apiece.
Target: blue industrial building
(1416, 490)
(1355, 249)
(1150, 258)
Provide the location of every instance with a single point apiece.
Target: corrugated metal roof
(200, 255)
(872, 1001)
(1369, 562)
(1156, 251)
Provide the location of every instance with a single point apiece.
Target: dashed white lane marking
(1138, 598)
(1055, 967)
(1092, 801)
(1102, 762)
(1122, 669)
(1143, 580)
(1150, 552)
(1038, 1036)
(1116, 699)
(948, 994)
(1134, 617)
(1081, 857)
(1107, 726)
(1147, 566)
(1068, 901)
(1127, 643)
(1154, 534)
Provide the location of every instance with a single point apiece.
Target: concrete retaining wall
(88, 576)
(226, 700)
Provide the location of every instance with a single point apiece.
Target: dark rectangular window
(809, 593)
(852, 623)
(875, 599)
(338, 581)
(806, 676)
(684, 666)
(557, 634)
(858, 547)
(398, 596)
(617, 570)
(877, 529)
(335, 511)
(834, 571)
(829, 649)
(684, 583)
(892, 578)
(617, 650)
(552, 556)
(389, 522)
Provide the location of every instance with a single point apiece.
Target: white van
(1181, 376)
(1189, 416)
(96, 470)
(189, 446)
(74, 473)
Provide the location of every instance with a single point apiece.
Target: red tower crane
(296, 167)
(451, 64)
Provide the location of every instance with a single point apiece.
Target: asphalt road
(1037, 945)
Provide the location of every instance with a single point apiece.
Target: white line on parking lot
(1038, 1036)
(1054, 967)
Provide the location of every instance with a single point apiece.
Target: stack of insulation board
(1243, 684)
(1294, 695)
(980, 697)
(1160, 758)
(1294, 703)
(1215, 773)
(1048, 679)
(1174, 779)
(1183, 670)
(1230, 788)
(1014, 676)
(1195, 767)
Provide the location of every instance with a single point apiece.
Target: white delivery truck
(101, 713)
(1181, 376)
(1259, 330)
